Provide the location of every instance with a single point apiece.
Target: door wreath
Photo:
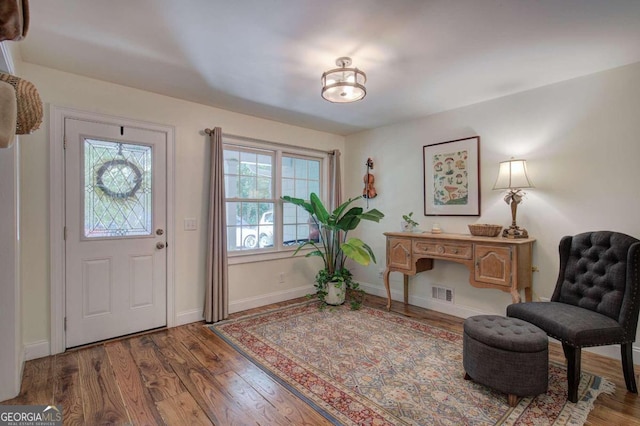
(119, 193)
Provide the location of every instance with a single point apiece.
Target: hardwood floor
(187, 375)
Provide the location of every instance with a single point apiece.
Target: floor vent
(442, 293)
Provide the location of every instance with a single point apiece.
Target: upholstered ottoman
(506, 354)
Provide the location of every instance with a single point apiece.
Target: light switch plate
(190, 224)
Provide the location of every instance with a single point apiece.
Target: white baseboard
(187, 317)
(36, 350)
(460, 311)
(266, 299)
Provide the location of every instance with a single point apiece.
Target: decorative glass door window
(117, 189)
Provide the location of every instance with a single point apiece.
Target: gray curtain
(216, 303)
(335, 180)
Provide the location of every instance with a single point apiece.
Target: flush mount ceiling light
(343, 84)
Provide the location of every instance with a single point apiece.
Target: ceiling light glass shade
(343, 84)
(513, 174)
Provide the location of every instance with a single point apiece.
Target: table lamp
(513, 176)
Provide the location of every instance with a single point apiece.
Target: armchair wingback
(595, 302)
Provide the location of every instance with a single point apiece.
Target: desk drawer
(443, 249)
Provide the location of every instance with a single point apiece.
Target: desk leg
(528, 296)
(386, 284)
(515, 296)
(406, 289)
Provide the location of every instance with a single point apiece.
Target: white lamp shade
(513, 174)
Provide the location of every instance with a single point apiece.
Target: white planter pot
(335, 293)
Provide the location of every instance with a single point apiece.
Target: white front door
(115, 222)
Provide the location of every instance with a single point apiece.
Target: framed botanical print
(452, 178)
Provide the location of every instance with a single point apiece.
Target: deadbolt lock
(159, 231)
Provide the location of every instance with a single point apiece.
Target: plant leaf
(373, 215)
(299, 202)
(319, 210)
(353, 250)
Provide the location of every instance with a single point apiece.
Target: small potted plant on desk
(408, 224)
(334, 280)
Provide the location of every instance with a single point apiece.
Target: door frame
(57, 194)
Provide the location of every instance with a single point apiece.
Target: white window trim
(279, 149)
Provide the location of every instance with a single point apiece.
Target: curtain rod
(247, 139)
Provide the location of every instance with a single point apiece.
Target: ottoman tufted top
(506, 333)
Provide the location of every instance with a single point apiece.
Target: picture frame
(452, 177)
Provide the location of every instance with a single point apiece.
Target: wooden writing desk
(493, 262)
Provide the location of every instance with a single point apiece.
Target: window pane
(287, 167)
(248, 187)
(314, 170)
(248, 163)
(302, 190)
(249, 178)
(300, 168)
(306, 179)
(265, 165)
(288, 186)
(289, 234)
(231, 162)
(117, 189)
(289, 213)
(314, 187)
(264, 188)
(265, 227)
(252, 192)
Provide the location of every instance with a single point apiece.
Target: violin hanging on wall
(369, 190)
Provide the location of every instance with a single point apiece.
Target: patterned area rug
(371, 367)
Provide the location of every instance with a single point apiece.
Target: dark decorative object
(369, 190)
(595, 302)
(516, 350)
(117, 192)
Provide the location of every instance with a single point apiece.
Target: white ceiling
(265, 57)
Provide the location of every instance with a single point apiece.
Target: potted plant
(408, 224)
(334, 280)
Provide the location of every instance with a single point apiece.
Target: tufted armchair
(595, 302)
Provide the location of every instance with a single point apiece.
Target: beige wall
(189, 119)
(581, 140)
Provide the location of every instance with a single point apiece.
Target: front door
(115, 224)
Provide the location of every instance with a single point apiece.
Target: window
(256, 176)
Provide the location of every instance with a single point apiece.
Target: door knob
(160, 246)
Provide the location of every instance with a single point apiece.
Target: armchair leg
(566, 349)
(573, 370)
(626, 350)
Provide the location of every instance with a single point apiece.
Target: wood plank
(137, 399)
(158, 376)
(206, 391)
(225, 383)
(102, 401)
(182, 409)
(290, 406)
(68, 389)
(37, 383)
(242, 392)
(209, 359)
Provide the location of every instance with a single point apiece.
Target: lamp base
(515, 231)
